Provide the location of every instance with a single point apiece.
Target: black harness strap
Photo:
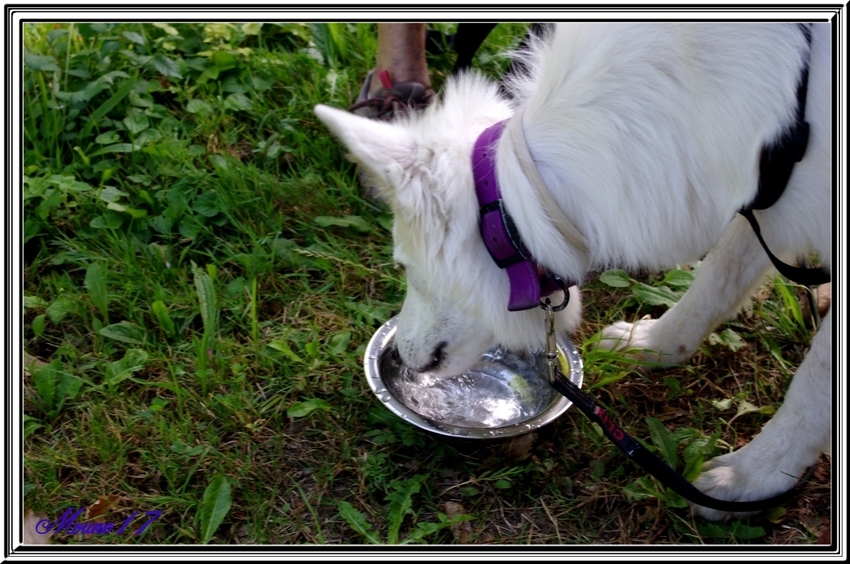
(805, 276)
(775, 167)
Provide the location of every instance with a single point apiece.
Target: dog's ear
(382, 148)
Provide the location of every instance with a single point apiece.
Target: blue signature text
(67, 523)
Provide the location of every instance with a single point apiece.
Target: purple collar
(529, 281)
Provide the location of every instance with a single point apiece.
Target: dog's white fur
(648, 136)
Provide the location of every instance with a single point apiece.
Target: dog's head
(455, 308)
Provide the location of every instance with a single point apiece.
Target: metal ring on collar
(564, 288)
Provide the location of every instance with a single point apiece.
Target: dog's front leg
(725, 279)
(773, 461)
(789, 443)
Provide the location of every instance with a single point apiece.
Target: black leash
(631, 447)
(651, 463)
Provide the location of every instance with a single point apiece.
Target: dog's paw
(737, 477)
(641, 340)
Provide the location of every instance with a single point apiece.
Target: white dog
(647, 137)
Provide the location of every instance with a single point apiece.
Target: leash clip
(551, 345)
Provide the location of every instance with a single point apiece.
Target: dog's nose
(396, 357)
(436, 358)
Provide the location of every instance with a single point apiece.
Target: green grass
(202, 276)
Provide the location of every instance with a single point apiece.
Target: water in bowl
(502, 389)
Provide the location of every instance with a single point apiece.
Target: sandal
(391, 99)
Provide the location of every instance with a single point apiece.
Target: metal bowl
(504, 395)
